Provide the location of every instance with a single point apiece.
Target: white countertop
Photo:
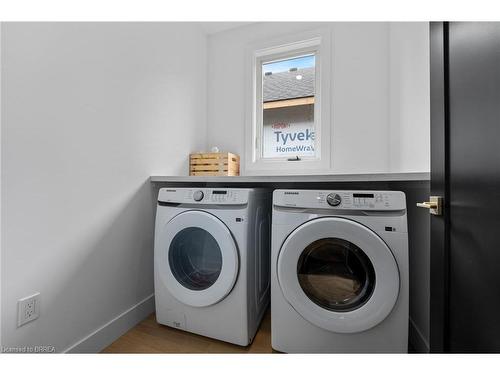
(373, 177)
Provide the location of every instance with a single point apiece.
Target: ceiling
(217, 27)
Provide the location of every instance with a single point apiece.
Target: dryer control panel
(341, 199)
(204, 196)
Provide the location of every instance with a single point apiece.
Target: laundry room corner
(77, 205)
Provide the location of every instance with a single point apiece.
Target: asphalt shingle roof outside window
(285, 85)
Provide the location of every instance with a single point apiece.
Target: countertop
(373, 177)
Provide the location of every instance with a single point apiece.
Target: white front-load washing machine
(339, 272)
(212, 261)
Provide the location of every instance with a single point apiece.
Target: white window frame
(319, 43)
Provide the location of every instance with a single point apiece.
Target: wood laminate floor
(150, 337)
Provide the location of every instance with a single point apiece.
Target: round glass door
(336, 274)
(195, 258)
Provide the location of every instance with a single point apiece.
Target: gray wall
(89, 112)
(419, 241)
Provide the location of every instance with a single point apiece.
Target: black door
(465, 123)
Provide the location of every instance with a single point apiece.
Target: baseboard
(109, 332)
(417, 339)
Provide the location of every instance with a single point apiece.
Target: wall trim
(116, 327)
(417, 339)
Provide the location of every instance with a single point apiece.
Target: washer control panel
(341, 199)
(205, 196)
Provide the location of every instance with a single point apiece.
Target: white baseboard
(417, 339)
(109, 332)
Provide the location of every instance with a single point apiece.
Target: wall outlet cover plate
(28, 309)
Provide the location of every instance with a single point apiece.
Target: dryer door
(198, 262)
(338, 274)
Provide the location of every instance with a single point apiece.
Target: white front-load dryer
(339, 272)
(212, 270)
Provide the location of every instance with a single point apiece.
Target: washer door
(338, 274)
(198, 262)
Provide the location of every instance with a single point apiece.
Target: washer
(212, 261)
(339, 272)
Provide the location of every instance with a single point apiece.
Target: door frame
(439, 225)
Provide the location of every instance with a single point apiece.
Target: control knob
(198, 195)
(333, 199)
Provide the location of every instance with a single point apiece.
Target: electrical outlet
(28, 309)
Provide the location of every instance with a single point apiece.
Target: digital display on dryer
(362, 195)
(219, 192)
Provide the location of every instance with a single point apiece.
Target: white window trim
(318, 42)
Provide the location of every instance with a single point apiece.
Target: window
(288, 126)
(288, 108)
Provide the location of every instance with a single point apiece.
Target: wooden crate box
(214, 164)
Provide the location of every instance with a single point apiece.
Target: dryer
(212, 261)
(339, 272)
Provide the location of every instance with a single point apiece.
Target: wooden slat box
(214, 164)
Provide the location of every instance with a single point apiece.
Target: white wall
(360, 98)
(89, 112)
(363, 116)
(409, 97)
